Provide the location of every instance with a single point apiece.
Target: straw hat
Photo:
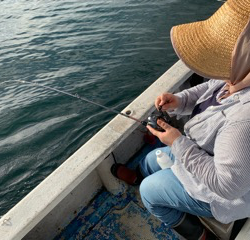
(207, 46)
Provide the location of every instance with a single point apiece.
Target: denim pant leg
(163, 194)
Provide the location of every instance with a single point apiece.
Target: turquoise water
(106, 50)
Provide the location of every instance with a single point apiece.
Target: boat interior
(83, 200)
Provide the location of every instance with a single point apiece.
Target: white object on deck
(163, 159)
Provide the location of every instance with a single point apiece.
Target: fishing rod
(144, 123)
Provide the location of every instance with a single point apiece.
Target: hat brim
(206, 46)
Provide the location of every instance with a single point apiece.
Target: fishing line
(81, 98)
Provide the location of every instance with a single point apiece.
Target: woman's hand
(168, 136)
(167, 101)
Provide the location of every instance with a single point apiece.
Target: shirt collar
(244, 95)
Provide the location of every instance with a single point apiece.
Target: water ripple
(31, 131)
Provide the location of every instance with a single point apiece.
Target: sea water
(106, 50)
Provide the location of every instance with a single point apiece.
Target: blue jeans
(163, 194)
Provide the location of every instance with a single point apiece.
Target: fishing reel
(152, 119)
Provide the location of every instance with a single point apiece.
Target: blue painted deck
(122, 217)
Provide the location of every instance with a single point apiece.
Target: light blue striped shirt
(213, 159)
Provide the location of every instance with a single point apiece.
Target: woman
(211, 172)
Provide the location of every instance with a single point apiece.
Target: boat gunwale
(24, 216)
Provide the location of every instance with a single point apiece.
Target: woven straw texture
(206, 46)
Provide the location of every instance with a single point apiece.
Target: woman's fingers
(161, 100)
(153, 131)
(167, 101)
(168, 136)
(157, 102)
(163, 124)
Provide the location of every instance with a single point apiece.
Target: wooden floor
(117, 218)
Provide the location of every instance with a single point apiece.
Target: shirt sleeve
(227, 173)
(188, 99)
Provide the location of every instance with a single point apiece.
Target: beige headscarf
(240, 70)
